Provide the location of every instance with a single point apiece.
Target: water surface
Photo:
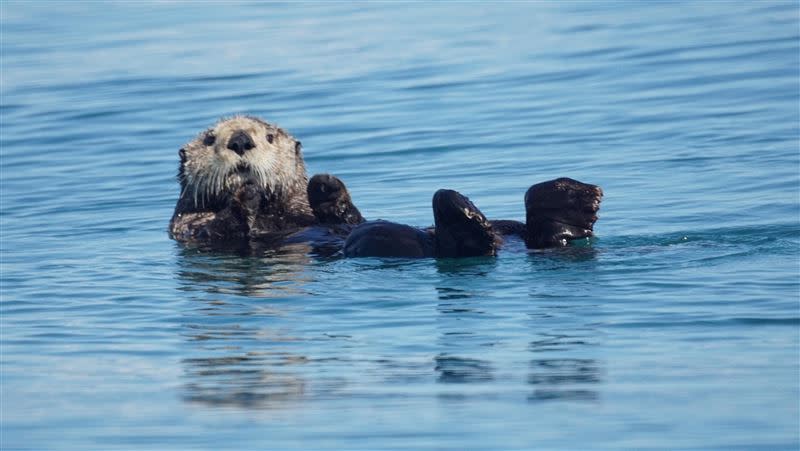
(676, 328)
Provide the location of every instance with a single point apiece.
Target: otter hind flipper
(461, 228)
(560, 210)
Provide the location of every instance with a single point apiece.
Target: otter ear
(182, 168)
(297, 147)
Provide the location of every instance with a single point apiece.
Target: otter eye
(209, 139)
(270, 138)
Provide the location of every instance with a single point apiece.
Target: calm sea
(677, 328)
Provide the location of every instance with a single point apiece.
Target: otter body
(244, 182)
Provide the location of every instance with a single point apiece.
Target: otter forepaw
(560, 210)
(330, 201)
(248, 198)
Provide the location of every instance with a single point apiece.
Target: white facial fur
(212, 170)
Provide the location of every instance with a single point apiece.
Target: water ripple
(115, 337)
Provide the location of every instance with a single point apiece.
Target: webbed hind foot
(461, 228)
(560, 210)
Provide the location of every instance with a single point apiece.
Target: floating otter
(244, 180)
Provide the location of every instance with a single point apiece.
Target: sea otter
(244, 181)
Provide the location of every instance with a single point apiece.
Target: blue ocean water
(678, 327)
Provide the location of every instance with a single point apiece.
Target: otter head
(238, 151)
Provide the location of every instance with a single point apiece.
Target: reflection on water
(466, 267)
(551, 342)
(563, 372)
(564, 379)
(236, 358)
(461, 370)
(564, 258)
(245, 380)
(562, 395)
(241, 355)
(268, 273)
(562, 367)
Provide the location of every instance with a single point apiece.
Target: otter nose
(240, 142)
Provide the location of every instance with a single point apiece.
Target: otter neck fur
(239, 152)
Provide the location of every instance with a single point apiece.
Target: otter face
(238, 151)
